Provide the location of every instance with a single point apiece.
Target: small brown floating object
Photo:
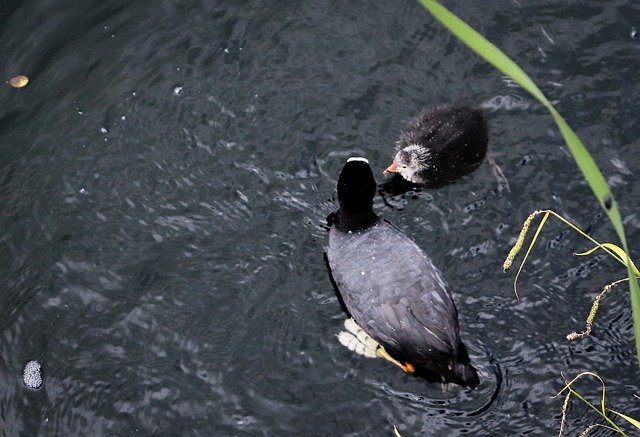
(19, 81)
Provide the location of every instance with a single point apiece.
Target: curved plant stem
(602, 412)
(526, 255)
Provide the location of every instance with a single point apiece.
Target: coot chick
(441, 145)
(390, 287)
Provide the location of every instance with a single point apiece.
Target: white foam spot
(358, 158)
(32, 376)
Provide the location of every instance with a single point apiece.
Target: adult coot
(441, 145)
(390, 287)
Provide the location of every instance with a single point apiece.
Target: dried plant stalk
(520, 241)
(594, 309)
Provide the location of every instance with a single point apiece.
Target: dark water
(164, 182)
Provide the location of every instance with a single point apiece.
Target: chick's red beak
(392, 168)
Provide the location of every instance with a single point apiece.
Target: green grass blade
(631, 420)
(594, 408)
(618, 253)
(585, 162)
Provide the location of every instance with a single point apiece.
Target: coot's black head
(356, 185)
(356, 189)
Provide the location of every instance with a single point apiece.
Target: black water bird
(390, 287)
(441, 145)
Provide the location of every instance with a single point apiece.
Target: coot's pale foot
(357, 340)
(444, 384)
(503, 183)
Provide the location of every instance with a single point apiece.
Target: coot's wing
(393, 290)
(423, 319)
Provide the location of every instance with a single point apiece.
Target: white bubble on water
(32, 375)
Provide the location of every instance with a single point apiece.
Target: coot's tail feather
(463, 370)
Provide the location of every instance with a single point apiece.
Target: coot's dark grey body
(390, 287)
(441, 145)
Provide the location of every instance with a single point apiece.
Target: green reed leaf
(585, 162)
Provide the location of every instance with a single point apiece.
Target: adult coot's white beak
(392, 168)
